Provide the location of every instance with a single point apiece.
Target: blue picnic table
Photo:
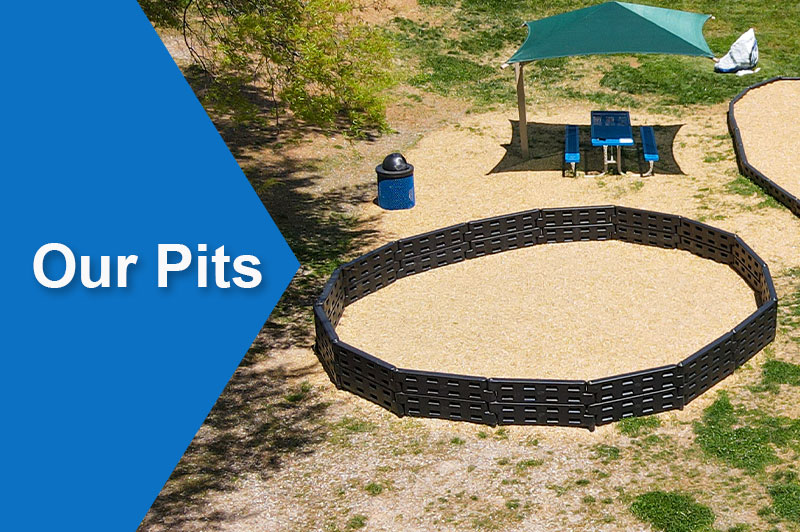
(611, 128)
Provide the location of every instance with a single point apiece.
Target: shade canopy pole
(523, 119)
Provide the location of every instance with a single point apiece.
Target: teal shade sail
(615, 28)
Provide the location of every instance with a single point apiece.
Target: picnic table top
(611, 128)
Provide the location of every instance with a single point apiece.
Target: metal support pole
(523, 119)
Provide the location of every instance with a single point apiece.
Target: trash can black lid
(395, 162)
(394, 165)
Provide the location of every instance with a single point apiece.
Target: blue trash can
(395, 183)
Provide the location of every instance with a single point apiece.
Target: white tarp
(743, 55)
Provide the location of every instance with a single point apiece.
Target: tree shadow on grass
(263, 416)
(257, 421)
(546, 146)
(319, 231)
(317, 227)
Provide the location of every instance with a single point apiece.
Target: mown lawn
(456, 50)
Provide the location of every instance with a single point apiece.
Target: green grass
(558, 489)
(715, 157)
(342, 431)
(374, 488)
(744, 187)
(356, 522)
(783, 432)
(415, 36)
(677, 80)
(606, 452)
(745, 439)
(786, 500)
(460, 53)
(501, 434)
(450, 68)
(350, 424)
(637, 185)
(672, 512)
(789, 305)
(637, 426)
(512, 504)
(445, 74)
(604, 99)
(743, 447)
(300, 394)
(524, 465)
(779, 372)
(491, 39)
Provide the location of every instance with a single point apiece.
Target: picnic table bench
(649, 147)
(572, 154)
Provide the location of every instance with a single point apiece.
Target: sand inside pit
(769, 121)
(571, 311)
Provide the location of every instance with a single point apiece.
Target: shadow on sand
(258, 421)
(546, 144)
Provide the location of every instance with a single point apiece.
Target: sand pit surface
(769, 121)
(572, 311)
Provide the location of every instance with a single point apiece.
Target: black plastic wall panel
(503, 225)
(634, 384)
(706, 241)
(368, 273)
(492, 401)
(541, 414)
(323, 344)
(646, 227)
(462, 387)
(639, 405)
(538, 391)
(452, 409)
(708, 366)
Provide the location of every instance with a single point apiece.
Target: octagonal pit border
(503, 401)
(748, 170)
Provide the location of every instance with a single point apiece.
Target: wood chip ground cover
(571, 311)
